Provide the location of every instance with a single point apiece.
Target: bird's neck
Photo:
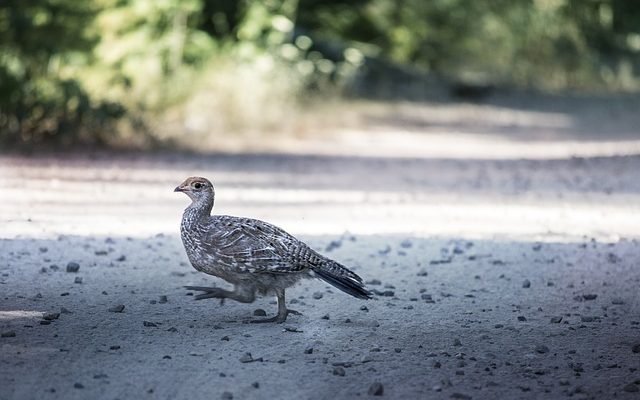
(198, 210)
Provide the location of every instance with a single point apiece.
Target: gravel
(73, 267)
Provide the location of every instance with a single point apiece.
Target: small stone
(631, 388)
(73, 267)
(78, 279)
(78, 385)
(50, 316)
(308, 350)
(227, 396)
(522, 318)
(326, 316)
(376, 389)
(246, 358)
(163, 299)
(339, 371)
(636, 348)
(617, 301)
(586, 318)
(589, 296)
(121, 258)
(405, 244)
(542, 349)
(259, 312)
(526, 284)
(334, 244)
(563, 382)
(149, 324)
(460, 396)
(116, 347)
(8, 334)
(256, 385)
(100, 252)
(427, 297)
(437, 364)
(556, 319)
(317, 295)
(457, 342)
(225, 338)
(422, 272)
(374, 282)
(117, 309)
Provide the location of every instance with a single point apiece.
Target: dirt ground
(501, 241)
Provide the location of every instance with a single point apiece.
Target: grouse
(253, 255)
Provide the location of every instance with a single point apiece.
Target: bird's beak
(179, 189)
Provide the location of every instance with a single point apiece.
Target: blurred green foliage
(91, 70)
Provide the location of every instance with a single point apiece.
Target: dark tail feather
(346, 284)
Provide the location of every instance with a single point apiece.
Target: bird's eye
(197, 185)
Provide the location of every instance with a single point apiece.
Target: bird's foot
(279, 319)
(209, 293)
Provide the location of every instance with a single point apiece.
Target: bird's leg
(240, 293)
(282, 310)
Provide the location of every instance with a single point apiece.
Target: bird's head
(196, 188)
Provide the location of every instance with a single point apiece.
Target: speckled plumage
(253, 255)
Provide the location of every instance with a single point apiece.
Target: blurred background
(199, 73)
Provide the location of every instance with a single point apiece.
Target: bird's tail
(342, 278)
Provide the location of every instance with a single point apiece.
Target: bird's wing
(250, 245)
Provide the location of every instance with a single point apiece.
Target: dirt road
(498, 272)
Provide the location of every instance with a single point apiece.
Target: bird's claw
(209, 292)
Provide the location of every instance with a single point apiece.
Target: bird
(252, 255)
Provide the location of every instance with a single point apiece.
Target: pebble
(227, 396)
(631, 388)
(78, 279)
(308, 350)
(617, 301)
(636, 348)
(73, 267)
(556, 319)
(317, 295)
(50, 316)
(339, 371)
(121, 258)
(405, 244)
(589, 296)
(246, 358)
(422, 272)
(149, 324)
(526, 284)
(460, 396)
(225, 338)
(334, 244)
(374, 282)
(522, 318)
(376, 389)
(117, 309)
(457, 342)
(163, 299)
(586, 318)
(259, 312)
(256, 385)
(78, 385)
(8, 334)
(542, 349)
(100, 252)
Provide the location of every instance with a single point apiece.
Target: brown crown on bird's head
(195, 187)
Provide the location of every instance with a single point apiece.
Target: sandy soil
(500, 271)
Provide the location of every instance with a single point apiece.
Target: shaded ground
(496, 277)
